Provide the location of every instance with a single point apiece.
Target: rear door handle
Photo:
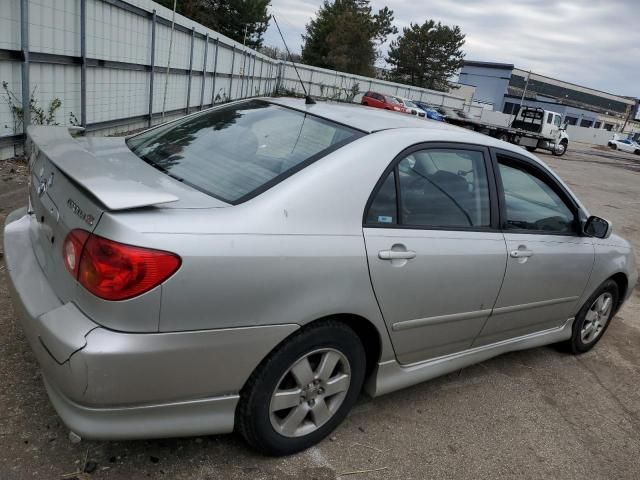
(396, 255)
(521, 253)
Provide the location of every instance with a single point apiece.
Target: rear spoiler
(96, 175)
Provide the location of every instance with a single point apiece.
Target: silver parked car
(256, 265)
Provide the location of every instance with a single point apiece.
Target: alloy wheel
(597, 318)
(310, 392)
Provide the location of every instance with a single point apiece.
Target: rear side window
(235, 152)
(438, 188)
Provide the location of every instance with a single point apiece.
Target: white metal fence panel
(106, 61)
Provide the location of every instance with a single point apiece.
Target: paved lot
(533, 414)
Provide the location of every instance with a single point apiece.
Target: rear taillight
(113, 270)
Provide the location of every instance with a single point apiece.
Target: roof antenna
(307, 98)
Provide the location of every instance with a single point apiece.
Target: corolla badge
(86, 217)
(44, 185)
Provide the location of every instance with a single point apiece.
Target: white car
(626, 145)
(411, 107)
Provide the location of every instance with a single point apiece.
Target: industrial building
(502, 87)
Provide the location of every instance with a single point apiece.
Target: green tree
(233, 18)
(345, 36)
(427, 55)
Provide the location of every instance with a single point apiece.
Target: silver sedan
(257, 265)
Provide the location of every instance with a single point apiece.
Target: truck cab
(534, 127)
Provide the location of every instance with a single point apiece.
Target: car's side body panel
(437, 302)
(541, 291)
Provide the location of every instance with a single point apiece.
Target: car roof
(366, 119)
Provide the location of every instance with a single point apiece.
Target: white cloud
(595, 43)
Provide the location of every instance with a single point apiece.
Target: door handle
(521, 253)
(396, 255)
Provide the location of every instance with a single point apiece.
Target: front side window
(557, 120)
(531, 204)
(438, 188)
(234, 151)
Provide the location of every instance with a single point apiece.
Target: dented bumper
(106, 384)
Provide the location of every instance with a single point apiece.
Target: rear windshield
(236, 152)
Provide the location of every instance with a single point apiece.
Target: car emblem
(44, 185)
(86, 217)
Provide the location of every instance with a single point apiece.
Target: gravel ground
(533, 414)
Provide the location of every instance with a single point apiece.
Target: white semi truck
(532, 128)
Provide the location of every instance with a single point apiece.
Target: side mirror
(597, 227)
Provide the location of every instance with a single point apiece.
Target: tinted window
(233, 151)
(444, 188)
(532, 204)
(438, 188)
(383, 209)
(549, 117)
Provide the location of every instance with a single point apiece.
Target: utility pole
(524, 92)
(626, 120)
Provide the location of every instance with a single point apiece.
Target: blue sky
(588, 42)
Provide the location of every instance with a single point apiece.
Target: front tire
(594, 317)
(560, 149)
(303, 390)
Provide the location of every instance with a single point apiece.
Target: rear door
(435, 256)
(549, 262)
(373, 100)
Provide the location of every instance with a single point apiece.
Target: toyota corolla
(255, 266)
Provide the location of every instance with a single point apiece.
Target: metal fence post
(83, 65)
(279, 77)
(153, 64)
(310, 81)
(24, 44)
(253, 77)
(233, 62)
(243, 73)
(193, 36)
(215, 71)
(204, 69)
(260, 80)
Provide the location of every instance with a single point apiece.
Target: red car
(378, 100)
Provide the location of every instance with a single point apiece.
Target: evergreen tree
(229, 17)
(345, 36)
(427, 55)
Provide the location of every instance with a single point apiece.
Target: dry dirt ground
(533, 414)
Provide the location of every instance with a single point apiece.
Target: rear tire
(594, 318)
(291, 402)
(531, 149)
(637, 152)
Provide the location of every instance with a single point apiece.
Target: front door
(549, 262)
(435, 257)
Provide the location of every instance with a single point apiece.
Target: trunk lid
(72, 182)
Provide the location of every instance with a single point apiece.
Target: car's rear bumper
(114, 385)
